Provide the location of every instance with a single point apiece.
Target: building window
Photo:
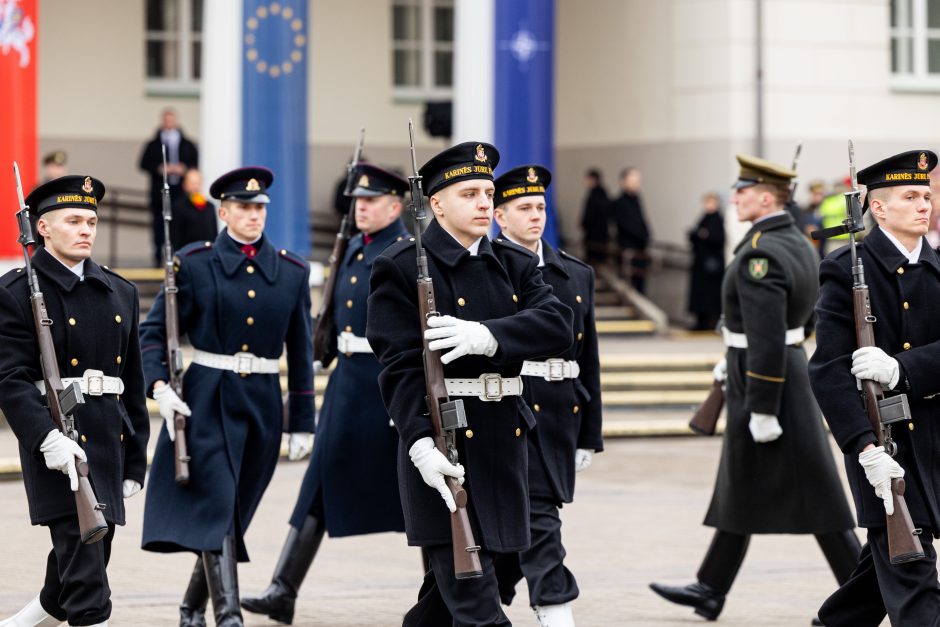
(173, 46)
(423, 48)
(915, 44)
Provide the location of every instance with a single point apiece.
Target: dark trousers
(727, 551)
(76, 587)
(907, 593)
(471, 602)
(542, 564)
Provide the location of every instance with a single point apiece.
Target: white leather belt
(242, 363)
(488, 387)
(347, 342)
(551, 369)
(92, 383)
(739, 340)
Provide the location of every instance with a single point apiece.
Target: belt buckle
(94, 382)
(492, 386)
(243, 362)
(556, 369)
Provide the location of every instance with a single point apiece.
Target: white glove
(130, 487)
(880, 469)
(582, 459)
(299, 446)
(60, 453)
(764, 427)
(720, 371)
(317, 366)
(465, 336)
(873, 363)
(433, 466)
(169, 404)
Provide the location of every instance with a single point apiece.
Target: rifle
(446, 415)
(324, 330)
(173, 352)
(903, 543)
(62, 400)
(706, 416)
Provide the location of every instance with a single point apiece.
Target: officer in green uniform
(776, 473)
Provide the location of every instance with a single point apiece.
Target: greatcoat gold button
(461, 302)
(250, 269)
(251, 294)
(250, 321)
(469, 433)
(71, 322)
(117, 319)
(74, 361)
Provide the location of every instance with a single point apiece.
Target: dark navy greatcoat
(353, 464)
(228, 303)
(905, 300)
(789, 485)
(567, 412)
(501, 287)
(94, 326)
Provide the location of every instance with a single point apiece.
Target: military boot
(193, 607)
(296, 557)
(222, 578)
(706, 601)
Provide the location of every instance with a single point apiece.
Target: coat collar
(51, 268)
(552, 258)
(448, 250)
(380, 241)
(887, 255)
(232, 258)
(780, 221)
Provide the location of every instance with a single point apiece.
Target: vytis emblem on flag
(16, 30)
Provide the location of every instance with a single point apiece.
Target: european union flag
(274, 112)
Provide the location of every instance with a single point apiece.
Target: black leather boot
(707, 601)
(193, 607)
(222, 577)
(299, 550)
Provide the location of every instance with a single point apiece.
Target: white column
(220, 140)
(473, 70)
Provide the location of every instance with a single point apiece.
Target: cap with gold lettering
(908, 168)
(463, 162)
(755, 170)
(249, 184)
(371, 180)
(79, 192)
(526, 180)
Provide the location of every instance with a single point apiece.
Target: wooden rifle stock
(705, 417)
(173, 354)
(903, 543)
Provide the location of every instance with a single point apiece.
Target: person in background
(54, 165)
(708, 264)
(633, 234)
(595, 219)
(193, 215)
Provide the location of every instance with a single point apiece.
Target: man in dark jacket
(181, 154)
(241, 300)
(903, 277)
(94, 315)
(776, 474)
(595, 219)
(565, 396)
(633, 235)
(351, 486)
(495, 312)
(708, 264)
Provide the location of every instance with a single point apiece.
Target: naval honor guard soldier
(241, 300)
(565, 395)
(496, 312)
(94, 314)
(351, 484)
(902, 273)
(776, 473)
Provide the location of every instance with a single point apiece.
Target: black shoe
(222, 578)
(817, 623)
(299, 550)
(707, 601)
(193, 607)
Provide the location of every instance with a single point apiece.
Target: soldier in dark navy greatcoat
(496, 312)
(902, 273)
(351, 485)
(94, 315)
(241, 300)
(565, 395)
(777, 473)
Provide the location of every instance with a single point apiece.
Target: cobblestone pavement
(637, 519)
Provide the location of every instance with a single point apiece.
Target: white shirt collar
(78, 269)
(241, 242)
(474, 248)
(769, 216)
(538, 251)
(913, 256)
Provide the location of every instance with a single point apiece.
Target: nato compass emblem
(524, 46)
